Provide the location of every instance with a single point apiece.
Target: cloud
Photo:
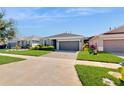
(70, 10)
(88, 11)
(51, 13)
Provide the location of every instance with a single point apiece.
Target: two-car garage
(111, 41)
(113, 45)
(69, 45)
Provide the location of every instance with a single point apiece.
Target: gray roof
(29, 38)
(63, 35)
(119, 30)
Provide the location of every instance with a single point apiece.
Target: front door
(54, 43)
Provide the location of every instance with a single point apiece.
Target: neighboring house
(31, 41)
(65, 41)
(111, 41)
(24, 41)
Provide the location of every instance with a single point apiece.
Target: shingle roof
(119, 30)
(63, 35)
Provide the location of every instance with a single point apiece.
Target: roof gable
(119, 30)
(63, 35)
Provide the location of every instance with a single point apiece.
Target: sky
(46, 21)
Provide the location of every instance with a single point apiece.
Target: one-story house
(24, 41)
(111, 41)
(65, 41)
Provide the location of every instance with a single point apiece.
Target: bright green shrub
(37, 47)
(40, 47)
(47, 48)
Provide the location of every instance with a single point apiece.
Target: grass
(6, 59)
(100, 57)
(26, 52)
(92, 76)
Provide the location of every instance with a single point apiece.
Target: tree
(7, 29)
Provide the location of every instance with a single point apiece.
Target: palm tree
(7, 29)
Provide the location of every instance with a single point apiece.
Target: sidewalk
(18, 56)
(99, 64)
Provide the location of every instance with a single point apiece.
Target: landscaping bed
(26, 52)
(100, 57)
(92, 76)
(6, 59)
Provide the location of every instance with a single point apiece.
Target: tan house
(111, 41)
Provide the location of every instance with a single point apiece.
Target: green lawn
(92, 76)
(26, 52)
(102, 57)
(6, 59)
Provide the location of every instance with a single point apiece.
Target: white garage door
(69, 45)
(113, 45)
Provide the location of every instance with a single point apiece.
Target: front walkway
(19, 56)
(99, 64)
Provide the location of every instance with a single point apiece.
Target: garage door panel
(114, 45)
(69, 45)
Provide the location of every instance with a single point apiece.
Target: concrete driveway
(40, 71)
(54, 69)
(62, 54)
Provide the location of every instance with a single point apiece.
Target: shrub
(17, 47)
(40, 47)
(26, 46)
(37, 47)
(92, 49)
(47, 48)
(85, 47)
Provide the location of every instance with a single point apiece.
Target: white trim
(57, 44)
(114, 36)
(80, 45)
(75, 37)
(70, 40)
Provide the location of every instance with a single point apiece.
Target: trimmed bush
(40, 47)
(47, 48)
(18, 47)
(26, 46)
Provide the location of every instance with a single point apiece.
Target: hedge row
(41, 47)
